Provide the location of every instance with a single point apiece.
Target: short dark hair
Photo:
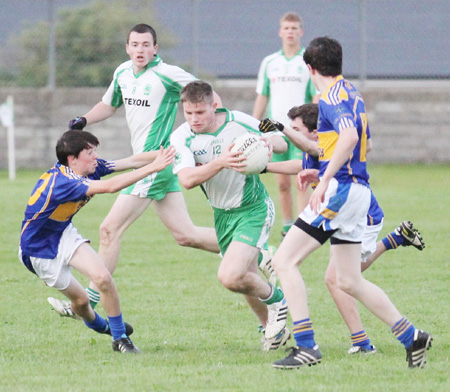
(309, 113)
(72, 142)
(143, 28)
(197, 91)
(324, 54)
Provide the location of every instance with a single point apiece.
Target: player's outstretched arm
(136, 161)
(290, 167)
(163, 159)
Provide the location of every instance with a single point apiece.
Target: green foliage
(90, 43)
(197, 336)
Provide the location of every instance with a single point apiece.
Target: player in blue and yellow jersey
(304, 126)
(50, 245)
(337, 211)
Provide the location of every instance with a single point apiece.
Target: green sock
(276, 296)
(94, 297)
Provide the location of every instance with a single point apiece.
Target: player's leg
(88, 262)
(349, 277)
(174, 215)
(238, 273)
(125, 210)
(302, 197)
(348, 309)
(285, 201)
(286, 262)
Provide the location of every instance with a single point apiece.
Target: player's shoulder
(169, 69)
(124, 66)
(182, 132)
(273, 56)
(244, 118)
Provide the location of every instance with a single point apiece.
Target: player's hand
(164, 158)
(232, 159)
(78, 123)
(307, 177)
(269, 145)
(268, 125)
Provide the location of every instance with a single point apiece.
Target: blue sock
(303, 333)
(404, 331)
(393, 241)
(361, 339)
(99, 324)
(117, 327)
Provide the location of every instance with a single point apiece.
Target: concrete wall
(409, 121)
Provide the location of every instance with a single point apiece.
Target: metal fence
(403, 39)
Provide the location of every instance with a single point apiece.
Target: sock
(404, 331)
(287, 225)
(260, 258)
(275, 296)
(117, 327)
(303, 333)
(99, 324)
(361, 339)
(94, 297)
(393, 241)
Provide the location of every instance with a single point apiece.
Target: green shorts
(155, 186)
(291, 153)
(250, 224)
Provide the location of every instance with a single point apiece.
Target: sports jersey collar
(338, 79)
(293, 57)
(230, 117)
(157, 60)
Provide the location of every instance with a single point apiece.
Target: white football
(254, 150)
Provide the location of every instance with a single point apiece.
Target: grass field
(197, 336)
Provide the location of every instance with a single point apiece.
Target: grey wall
(409, 121)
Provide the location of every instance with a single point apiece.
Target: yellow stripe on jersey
(65, 211)
(327, 144)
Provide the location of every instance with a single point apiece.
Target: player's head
(143, 28)
(304, 119)
(324, 55)
(291, 28)
(72, 143)
(141, 46)
(291, 17)
(198, 105)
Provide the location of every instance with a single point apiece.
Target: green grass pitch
(197, 336)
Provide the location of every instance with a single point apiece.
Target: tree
(90, 43)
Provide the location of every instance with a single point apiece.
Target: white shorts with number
(369, 242)
(57, 272)
(344, 209)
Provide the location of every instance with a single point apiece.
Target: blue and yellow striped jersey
(57, 197)
(341, 107)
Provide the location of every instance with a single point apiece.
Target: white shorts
(57, 272)
(369, 241)
(344, 210)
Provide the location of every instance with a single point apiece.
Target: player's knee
(103, 279)
(330, 281)
(186, 239)
(107, 234)
(229, 281)
(346, 284)
(279, 265)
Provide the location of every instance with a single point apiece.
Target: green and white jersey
(151, 101)
(286, 82)
(227, 189)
